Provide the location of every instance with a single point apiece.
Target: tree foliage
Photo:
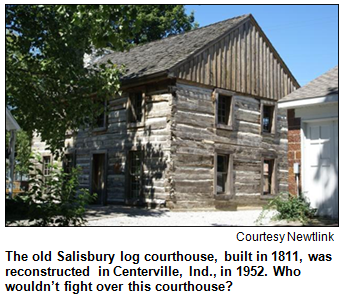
(22, 152)
(48, 87)
(159, 21)
(53, 200)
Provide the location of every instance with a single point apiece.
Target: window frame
(231, 120)
(49, 169)
(229, 184)
(71, 153)
(131, 123)
(274, 182)
(273, 126)
(104, 127)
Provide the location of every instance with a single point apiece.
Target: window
(268, 177)
(224, 109)
(46, 165)
(98, 122)
(68, 162)
(223, 179)
(136, 108)
(268, 118)
(135, 175)
(100, 118)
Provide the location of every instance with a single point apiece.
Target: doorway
(98, 177)
(320, 166)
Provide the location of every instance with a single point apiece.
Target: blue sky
(305, 36)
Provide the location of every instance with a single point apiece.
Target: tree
(160, 21)
(54, 200)
(48, 87)
(22, 152)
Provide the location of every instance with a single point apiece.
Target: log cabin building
(196, 125)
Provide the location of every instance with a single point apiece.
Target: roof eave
(298, 103)
(127, 83)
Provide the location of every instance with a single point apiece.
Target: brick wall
(294, 149)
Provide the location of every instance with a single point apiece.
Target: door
(99, 177)
(135, 176)
(320, 171)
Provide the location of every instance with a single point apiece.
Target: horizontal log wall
(195, 138)
(41, 148)
(180, 139)
(242, 61)
(118, 139)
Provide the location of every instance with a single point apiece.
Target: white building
(317, 105)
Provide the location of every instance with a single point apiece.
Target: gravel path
(131, 216)
(123, 216)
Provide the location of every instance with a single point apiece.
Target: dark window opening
(224, 109)
(267, 121)
(268, 176)
(68, 163)
(222, 174)
(135, 175)
(100, 118)
(136, 107)
(46, 165)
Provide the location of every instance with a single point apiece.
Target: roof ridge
(199, 50)
(182, 33)
(216, 23)
(167, 53)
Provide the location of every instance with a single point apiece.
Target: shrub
(16, 208)
(52, 200)
(291, 208)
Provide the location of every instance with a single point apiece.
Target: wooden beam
(253, 61)
(229, 62)
(224, 63)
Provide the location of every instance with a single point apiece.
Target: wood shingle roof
(161, 55)
(234, 54)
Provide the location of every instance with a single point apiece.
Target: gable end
(242, 60)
